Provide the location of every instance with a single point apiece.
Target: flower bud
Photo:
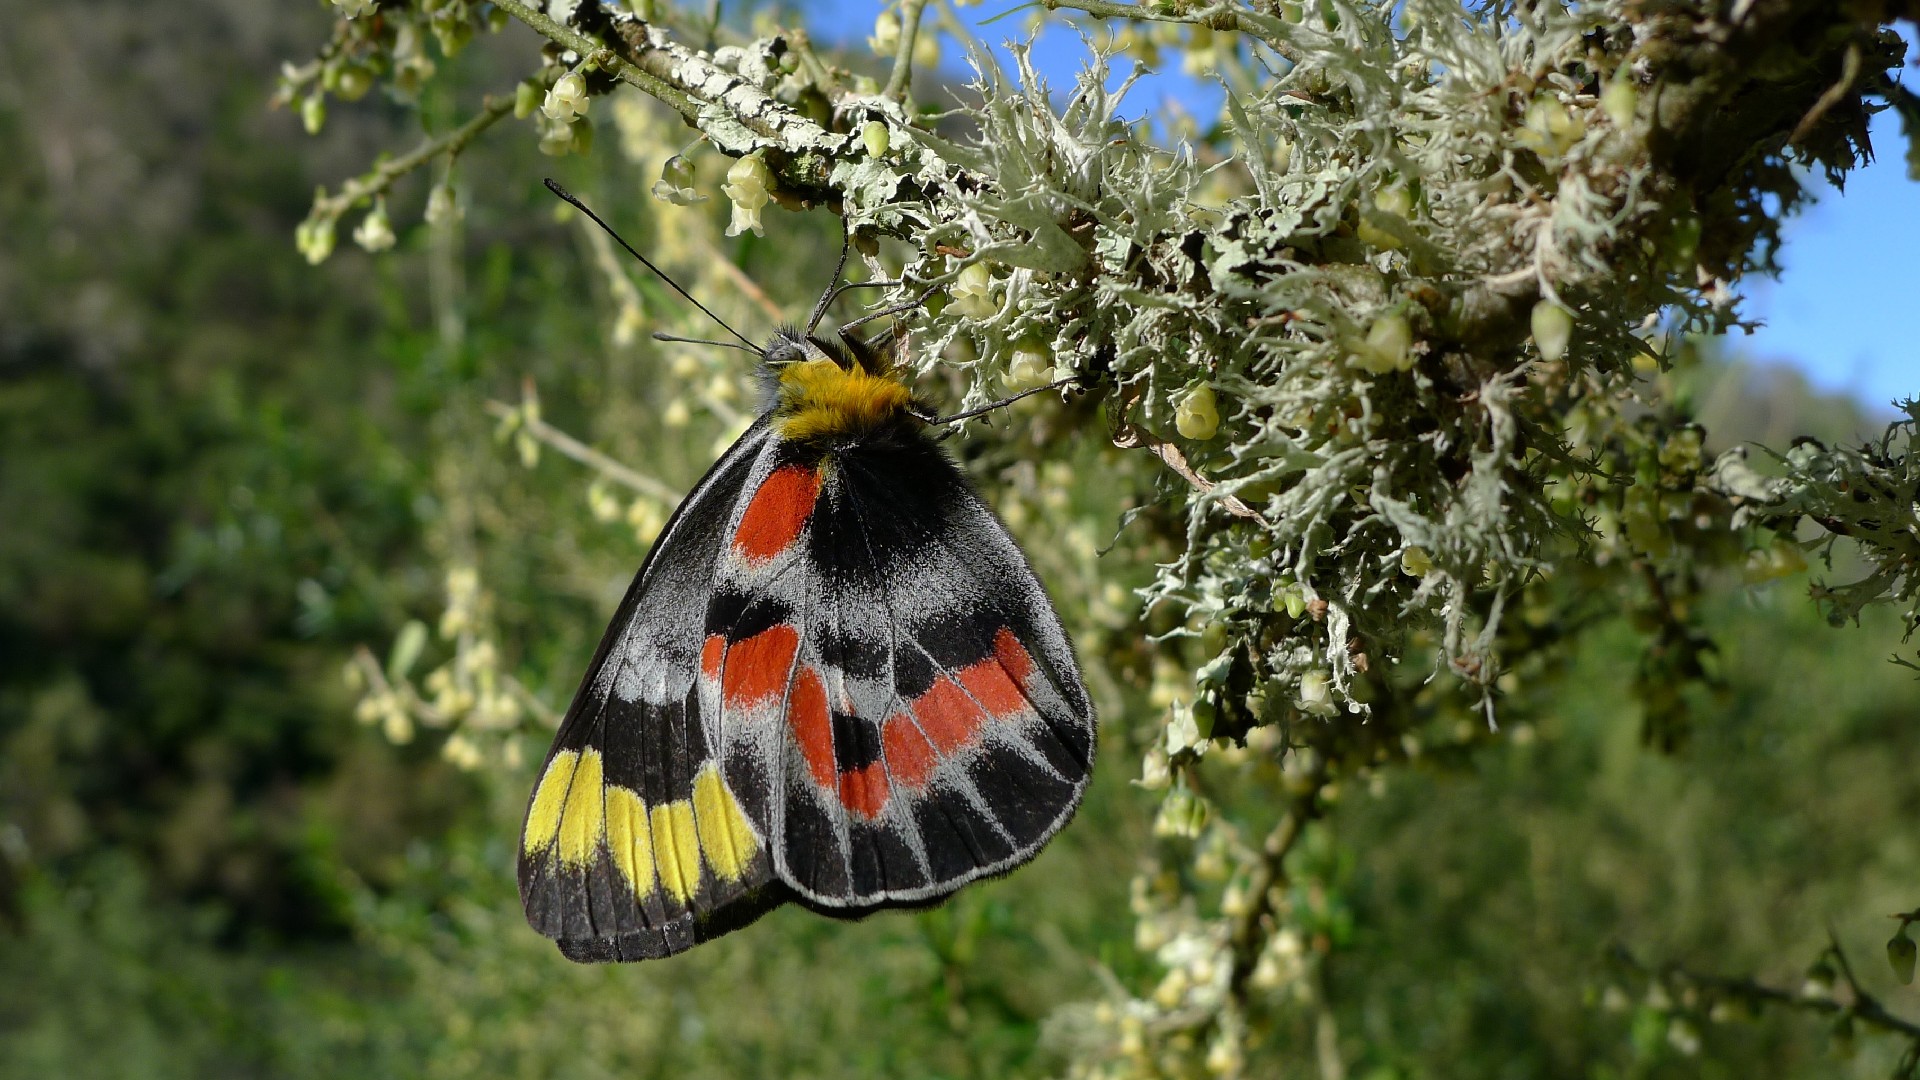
(601, 502)
(313, 113)
(1620, 99)
(875, 135)
(676, 183)
(351, 82)
(442, 207)
(1552, 328)
(886, 33)
(1198, 415)
(1900, 954)
(1549, 129)
(1388, 346)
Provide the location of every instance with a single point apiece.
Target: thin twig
(608, 61)
(1222, 17)
(1849, 73)
(384, 174)
(1245, 936)
(1864, 1007)
(586, 455)
(902, 77)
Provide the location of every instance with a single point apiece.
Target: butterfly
(835, 680)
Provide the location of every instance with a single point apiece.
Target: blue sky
(1845, 309)
(1845, 306)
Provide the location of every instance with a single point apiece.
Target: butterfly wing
(899, 709)
(634, 847)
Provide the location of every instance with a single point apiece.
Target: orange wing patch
(910, 757)
(779, 510)
(812, 725)
(947, 717)
(864, 791)
(757, 669)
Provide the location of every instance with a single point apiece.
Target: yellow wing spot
(819, 397)
(543, 819)
(726, 839)
(630, 838)
(676, 848)
(583, 819)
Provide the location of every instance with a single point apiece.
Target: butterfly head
(823, 390)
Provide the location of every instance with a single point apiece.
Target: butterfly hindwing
(899, 707)
(634, 845)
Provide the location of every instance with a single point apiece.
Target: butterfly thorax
(823, 392)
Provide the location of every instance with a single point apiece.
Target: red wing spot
(1012, 655)
(778, 512)
(812, 726)
(993, 687)
(949, 717)
(757, 668)
(909, 756)
(864, 791)
(711, 654)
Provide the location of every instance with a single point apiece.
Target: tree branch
(386, 172)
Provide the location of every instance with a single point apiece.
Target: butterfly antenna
(704, 341)
(898, 309)
(820, 309)
(554, 187)
(1004, 402)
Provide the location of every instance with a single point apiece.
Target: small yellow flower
(746, 187)
(1549, 129)
(1415, 562)
(442, 207)
(972, 294)
(314, 239)
(1316, 694)
(375, 231)
(1030, 367)
(567, 98)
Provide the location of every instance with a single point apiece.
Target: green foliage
(1391, 538)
